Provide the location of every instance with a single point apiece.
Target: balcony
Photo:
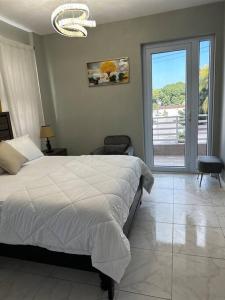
(169, 139)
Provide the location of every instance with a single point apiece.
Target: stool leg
(201, 179)
(218, 176)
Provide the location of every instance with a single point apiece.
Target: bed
(62, 210)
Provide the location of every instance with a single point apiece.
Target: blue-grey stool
(210, 165)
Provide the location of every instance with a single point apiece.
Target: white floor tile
(158, 195)
(163, 182)
(186, 182)
(217, 198)
(155, 212)
(53, 289)
(195, 215)
(198, 278)
(210, 183)
(220, 212)
(132, 296)
(198, 240)
(152, 236)
(192, 197)
(35, 268)
(19, 286)
(149, 273)
(10, 264)
(74, 275)
(85, 292)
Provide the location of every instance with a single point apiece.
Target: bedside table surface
(56, 151)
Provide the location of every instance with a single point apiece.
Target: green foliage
(171, 94)
(181, 117)
(204, 89)
(174, 94)
(156, 106)
(181, 122)
(181, 136)
(121, 76)
(112, 78)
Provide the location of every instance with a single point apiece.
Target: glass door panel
(204, 88)
(169, 107)
(178, 80)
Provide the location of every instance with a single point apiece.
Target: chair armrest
(98, 151)
(129, 151)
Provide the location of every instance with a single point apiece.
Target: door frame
(192, 46)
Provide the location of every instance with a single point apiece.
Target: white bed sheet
(75, 204)
(31, 171)
(12, 183)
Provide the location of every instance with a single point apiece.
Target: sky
(170, 67)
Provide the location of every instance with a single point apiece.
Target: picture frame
(108, 72)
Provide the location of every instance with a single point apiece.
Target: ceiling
(35, 15)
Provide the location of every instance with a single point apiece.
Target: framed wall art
(108, 72)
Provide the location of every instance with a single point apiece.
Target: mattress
(75, 205)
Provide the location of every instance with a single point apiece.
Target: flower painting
(108, 72)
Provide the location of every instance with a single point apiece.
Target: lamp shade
(46, 132)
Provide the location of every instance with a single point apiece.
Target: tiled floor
(178, 252)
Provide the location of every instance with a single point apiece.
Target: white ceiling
(34, 15)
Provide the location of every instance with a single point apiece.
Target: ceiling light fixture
(70, 19)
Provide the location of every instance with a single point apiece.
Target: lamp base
(49, 151)
(48, 146)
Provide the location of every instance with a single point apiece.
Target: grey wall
(13, 33)
(222, 135)
(85, 115)
(44, 81)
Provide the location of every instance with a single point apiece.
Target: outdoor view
(169, 101)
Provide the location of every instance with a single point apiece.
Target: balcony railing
(171, 129)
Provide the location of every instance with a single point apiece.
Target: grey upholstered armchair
(115, 145)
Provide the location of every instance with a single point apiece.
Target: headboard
(5, 127)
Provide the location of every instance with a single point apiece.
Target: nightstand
(56, 152)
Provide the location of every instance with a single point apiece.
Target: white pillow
(26, 147)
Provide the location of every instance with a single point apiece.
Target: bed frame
(5, 127)
(38, 254)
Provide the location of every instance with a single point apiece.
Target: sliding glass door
(178, 93)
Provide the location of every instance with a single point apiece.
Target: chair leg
(198, 176)
(218, 176)
(201, 179)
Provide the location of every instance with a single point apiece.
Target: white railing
(171, 129)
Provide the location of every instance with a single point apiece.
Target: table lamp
(47, 132)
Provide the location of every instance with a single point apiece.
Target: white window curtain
(19, 89)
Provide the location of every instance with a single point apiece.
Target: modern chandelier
(71, 19)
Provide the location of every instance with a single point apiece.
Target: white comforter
(74, 205)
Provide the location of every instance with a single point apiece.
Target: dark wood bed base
(38, 254)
